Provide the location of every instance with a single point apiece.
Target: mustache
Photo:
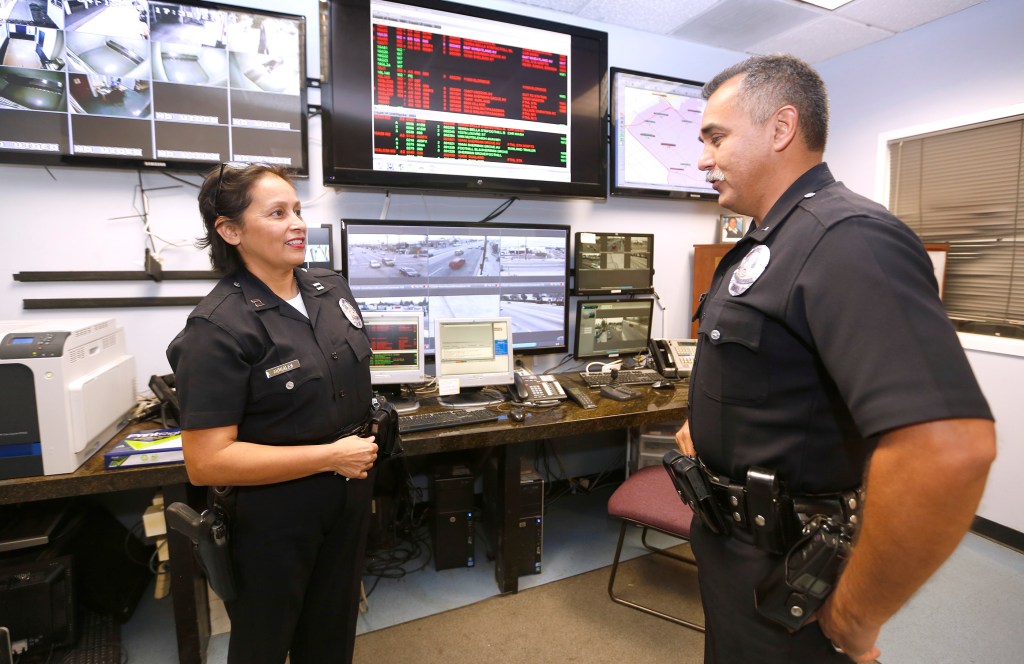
(715, 176)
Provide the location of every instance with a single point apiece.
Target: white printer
(67, 388)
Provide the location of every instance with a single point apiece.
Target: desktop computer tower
(526, 540)
(451, 492)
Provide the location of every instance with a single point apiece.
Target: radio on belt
(67, 385)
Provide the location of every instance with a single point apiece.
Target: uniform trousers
(728, 570)
(298, 550)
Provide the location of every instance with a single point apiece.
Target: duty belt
(761, 513)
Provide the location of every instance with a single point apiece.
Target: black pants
(298, 551)
(728, 571)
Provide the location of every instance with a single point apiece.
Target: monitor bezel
(404, 376)
(615, 187)
(577, 329)
(578, 251)
(156, 164)
(345, 91)
(476, 379)
(564, 228)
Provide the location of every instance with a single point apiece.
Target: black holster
(209, 533)
(383, 425)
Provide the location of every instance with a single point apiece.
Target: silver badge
(350, 312)
(750, 268)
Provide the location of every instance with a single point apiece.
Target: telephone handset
(674, 357)
(530, 387)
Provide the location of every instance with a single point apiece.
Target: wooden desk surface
(566, 419)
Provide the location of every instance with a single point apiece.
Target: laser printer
(68, 387)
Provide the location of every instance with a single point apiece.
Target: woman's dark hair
(772, 81)
(226, 192)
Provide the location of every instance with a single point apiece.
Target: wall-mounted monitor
(655, 143)
(477, 352)
(612, 328)
(319, 247)
(140, 83)
(464, 270)
(427, 94)
(613, 263)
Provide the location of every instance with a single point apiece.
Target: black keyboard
(445, 418)
(626, 377)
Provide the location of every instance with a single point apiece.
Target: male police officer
(822, 344)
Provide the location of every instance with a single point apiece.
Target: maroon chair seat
(648, 499)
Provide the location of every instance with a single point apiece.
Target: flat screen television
(477, 353)
(427, 94)
(655, 144)
(612, 328)
(613, 263)
(140, 83)
(464, 270)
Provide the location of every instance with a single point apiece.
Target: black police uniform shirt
(842, 337)
(248, 358)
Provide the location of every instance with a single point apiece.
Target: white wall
(82, 219)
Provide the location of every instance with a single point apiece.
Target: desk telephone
(673, 357)
(531, 387)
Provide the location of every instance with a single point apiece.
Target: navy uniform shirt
(842, 337)
(248, 358)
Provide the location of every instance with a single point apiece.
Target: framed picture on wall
(731, 227)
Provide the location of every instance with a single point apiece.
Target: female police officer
(271, 368)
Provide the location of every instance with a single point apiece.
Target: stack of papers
(146, 448)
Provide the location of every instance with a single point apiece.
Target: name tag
(283, 368)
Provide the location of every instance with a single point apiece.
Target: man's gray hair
(773, 81)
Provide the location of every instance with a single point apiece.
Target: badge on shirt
(750, 268)
(350, 312)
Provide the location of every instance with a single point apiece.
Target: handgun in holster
(209, 534)
(694, 489)
(382, 424)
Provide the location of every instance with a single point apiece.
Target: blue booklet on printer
(146, 448)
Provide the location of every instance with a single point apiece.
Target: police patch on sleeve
(351, 313)
(749, 269)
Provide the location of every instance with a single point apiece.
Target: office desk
(188, 587)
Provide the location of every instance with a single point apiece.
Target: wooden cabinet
(705, 259)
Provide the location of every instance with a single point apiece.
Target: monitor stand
(393, 393)
(473, 397)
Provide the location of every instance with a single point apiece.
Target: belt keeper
(763, 510)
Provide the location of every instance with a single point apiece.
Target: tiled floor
(972, 610)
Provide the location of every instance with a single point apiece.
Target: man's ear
(784, 127)
(228, 231)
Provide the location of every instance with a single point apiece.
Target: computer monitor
(478, 353)
(611, 328)
(449, 269)
(614, 263)
(319, 247)
(655, 146)
(396, 339)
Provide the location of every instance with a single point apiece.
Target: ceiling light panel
(737, 24)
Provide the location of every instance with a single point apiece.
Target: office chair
(648, 499)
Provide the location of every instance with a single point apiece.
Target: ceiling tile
(821, 39)
(658, 16)
(903, 15)
(736, 24)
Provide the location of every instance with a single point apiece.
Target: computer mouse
(517, 415)
(662, 385)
